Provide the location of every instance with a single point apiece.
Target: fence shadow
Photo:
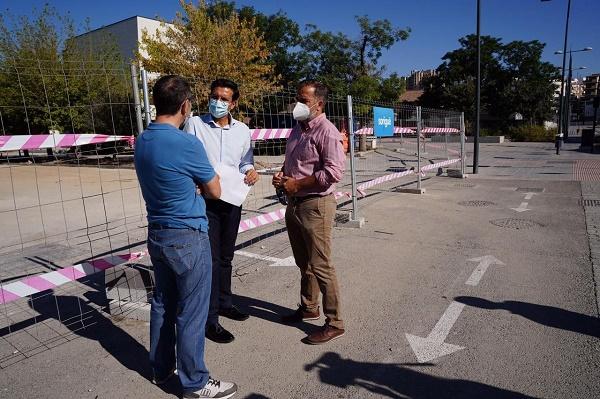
(86, 321)
(546, 315)
(399, 380)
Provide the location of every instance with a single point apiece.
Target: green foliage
(534, 133)
(204, 45)
(345, 65)
(513, 79)
(51, 82)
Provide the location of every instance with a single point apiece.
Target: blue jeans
(182, 275)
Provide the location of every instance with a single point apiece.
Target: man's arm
(212, 189)
(201, 170)
(247, 163)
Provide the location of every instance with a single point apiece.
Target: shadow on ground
(270, 312)
(546, 315)
(86, 321)
(400, 381)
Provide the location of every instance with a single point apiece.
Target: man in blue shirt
(227, 144)
(170, 166)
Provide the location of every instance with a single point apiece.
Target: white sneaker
(214, 389)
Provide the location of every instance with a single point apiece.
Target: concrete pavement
(527, 326)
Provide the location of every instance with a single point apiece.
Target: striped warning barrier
(427, 168)
(267, 134)
(274, 216)
(42, 282)
(43, 141)
(433, 130)
(362, 187)
(261, 220)
(397, 130)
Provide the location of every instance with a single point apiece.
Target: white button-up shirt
(228, 146)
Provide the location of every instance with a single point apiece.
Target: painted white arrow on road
(521, 208)
(289, 261)
(484, 263)
(432, 347)
(529, 196)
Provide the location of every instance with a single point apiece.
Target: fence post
(418, 148)
(146, 97)
(136, 99)
(462, 144)
(352, 165)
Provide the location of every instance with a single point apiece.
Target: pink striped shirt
(315, 151)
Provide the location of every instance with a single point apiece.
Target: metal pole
(146, 97)
(462, 144)
(136, 99)
(352, 165)
(568, 98)
(418, 148)
(478, 92)
(562, 84)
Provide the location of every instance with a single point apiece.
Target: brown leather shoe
(324, 335)
(301, 315)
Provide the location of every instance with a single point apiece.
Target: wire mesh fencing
(73, 217)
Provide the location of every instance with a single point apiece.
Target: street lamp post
(478, 92)
(563, 111)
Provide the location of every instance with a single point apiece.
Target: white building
(126, 33)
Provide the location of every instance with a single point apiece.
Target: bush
(535, 133)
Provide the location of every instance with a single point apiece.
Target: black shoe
(234, 313)
(216, 333)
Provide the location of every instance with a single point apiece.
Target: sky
(436, 24)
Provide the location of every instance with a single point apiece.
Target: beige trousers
(309, 224)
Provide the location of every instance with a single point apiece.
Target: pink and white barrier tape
(42, 282)
(274, 216)
(430, 130)
(42, 141)
(362, 187)
(397, 130)
(261, 220)
(266, 134)
(427, 168)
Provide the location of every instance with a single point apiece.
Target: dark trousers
(223, 225)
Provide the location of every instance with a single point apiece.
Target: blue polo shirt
(170, 164)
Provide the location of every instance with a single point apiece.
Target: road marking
(521, 208)
(529, 196)
(275, 262)
(432, 347)
(484, 263)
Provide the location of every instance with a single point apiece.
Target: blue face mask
(218, 108)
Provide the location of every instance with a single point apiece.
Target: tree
(50, 82)
(203, 45)
(513, 79)
(376, 36)
(351, 66)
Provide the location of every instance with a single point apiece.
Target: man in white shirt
(229, 150)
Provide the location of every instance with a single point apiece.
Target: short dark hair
(321, 91)
(230, 84)
(169, 92)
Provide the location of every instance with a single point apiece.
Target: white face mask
(301, 112)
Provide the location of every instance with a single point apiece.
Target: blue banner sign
(383, 122)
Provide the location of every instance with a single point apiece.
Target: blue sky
(436, 24)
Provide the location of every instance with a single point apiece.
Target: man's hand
(252, 177)
(277, 179)
(290, 185)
